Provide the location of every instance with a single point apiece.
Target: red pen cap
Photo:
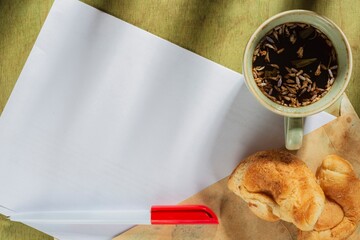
(183, 214)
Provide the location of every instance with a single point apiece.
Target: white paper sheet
(106, 116)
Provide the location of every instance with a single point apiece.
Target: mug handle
(294, 131)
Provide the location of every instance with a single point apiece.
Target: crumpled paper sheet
(341, 136)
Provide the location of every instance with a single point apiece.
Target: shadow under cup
(294, 115)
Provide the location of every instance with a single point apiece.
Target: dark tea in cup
(295, 64)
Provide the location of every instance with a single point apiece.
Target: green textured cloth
(18, 231)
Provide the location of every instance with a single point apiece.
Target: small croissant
(278, 185)
(340, 184)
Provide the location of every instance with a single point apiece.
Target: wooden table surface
(217, 30)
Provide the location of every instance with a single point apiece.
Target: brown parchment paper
(341, 136)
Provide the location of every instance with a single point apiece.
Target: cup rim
(291, 112)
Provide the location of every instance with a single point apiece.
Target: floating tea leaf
(306, 32)
(272, 73)
(303, 62)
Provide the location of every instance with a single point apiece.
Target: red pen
(172, 214)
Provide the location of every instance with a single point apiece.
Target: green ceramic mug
(294, 116)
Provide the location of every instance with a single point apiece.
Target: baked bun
(278, 185)
(340, 184)
(330, 217)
